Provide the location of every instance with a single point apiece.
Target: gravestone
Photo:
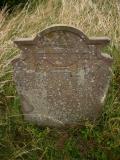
(61, 76)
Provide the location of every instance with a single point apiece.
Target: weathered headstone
(61, 76)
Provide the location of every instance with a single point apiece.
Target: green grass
(20, 140)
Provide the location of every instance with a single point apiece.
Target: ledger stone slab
(61, 76)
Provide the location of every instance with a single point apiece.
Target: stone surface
(61, 76)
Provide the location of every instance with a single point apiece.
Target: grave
(61, 76)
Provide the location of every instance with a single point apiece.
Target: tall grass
(20, 140)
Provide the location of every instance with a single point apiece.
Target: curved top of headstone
(65, 40)
(90, 41)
